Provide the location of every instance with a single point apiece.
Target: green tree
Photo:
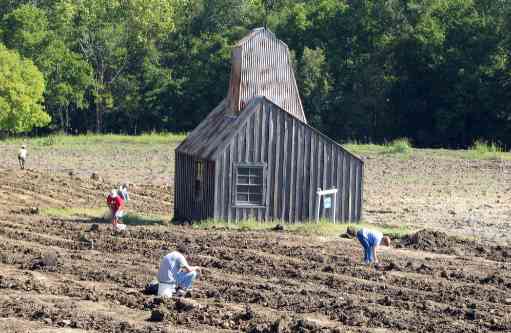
(21, 94)
(105, 33)
(315, 84)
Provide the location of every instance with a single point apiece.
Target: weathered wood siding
(299, 160)
(186, 205)
(261, 66)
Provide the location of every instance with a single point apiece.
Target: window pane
(240, 197)
(256, 189)
(255, 180)
(258, 172)
(256, 198)
(242, 189)
(243, 180)
(243, 171)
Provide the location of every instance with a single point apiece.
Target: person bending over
(175, 275)
(370, 240)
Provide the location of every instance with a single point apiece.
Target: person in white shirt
(175, 275)
(370, 240)
(22, 156)
(123, 192)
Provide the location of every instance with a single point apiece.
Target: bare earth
(52, 281)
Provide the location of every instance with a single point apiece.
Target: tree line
(435, 71)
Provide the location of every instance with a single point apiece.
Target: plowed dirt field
(52, 280)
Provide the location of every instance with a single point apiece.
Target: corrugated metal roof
(264, 69)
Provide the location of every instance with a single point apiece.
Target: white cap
(113, 194)
(23, 146)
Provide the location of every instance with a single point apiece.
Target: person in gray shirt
(175, 275)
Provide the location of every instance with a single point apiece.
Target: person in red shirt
(115, 202)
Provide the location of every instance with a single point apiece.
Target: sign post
(328, 196)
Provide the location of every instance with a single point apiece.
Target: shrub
(399, 146)
(483, 147)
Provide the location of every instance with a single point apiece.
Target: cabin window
(250, 188)
(199, 180)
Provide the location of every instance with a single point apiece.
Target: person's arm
(188, 269)
(373, 249)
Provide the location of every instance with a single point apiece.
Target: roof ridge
(256, 31)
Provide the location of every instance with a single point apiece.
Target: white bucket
(120, 227)
(166, 289)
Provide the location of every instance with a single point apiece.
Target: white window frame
(235, 184)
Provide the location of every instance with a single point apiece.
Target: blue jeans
(185, 280)
(368, 249)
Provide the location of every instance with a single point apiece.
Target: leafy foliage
(21, 94)
(436, 71)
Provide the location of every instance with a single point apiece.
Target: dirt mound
(440, 242)
(428, 240)
(288, 325)
(47, 262)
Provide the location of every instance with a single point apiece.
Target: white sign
(326, 195)
(327, 202)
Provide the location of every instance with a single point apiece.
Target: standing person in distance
(22, 156)
(115, 202)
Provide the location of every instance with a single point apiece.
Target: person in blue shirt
(370, 240)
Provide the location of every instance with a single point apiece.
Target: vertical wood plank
(292, 175)
(361, 192)
(218, 189)
(285, 167)
(264, 154)
(325, 162)
(228, 182)
(276, 186)
(319, 172)
(271, 162)
(177, 179)
(348, 186)
(353, 184)
(306, 175)
(338, 172)
(312, 177)
(333, 156)
(299, 174)
(257, 118)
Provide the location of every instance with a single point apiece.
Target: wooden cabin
(255, 157)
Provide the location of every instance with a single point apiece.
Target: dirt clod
(47, 261)
(50, 259)
(183, 304)
(94, 228)
(157, 315)
(96, 177)
(278, 227)
(151, 288)
(248, 314)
